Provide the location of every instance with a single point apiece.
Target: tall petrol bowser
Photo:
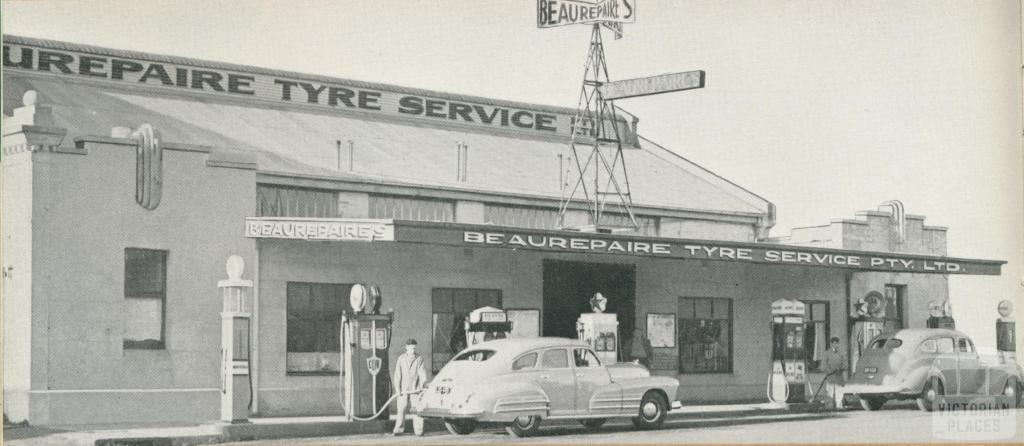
(600, 330)
(788, 382)
(365, 342)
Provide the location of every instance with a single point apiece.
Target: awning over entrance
(488, 236)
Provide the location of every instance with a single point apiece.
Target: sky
(822, 107)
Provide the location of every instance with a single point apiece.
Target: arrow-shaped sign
(644, 86)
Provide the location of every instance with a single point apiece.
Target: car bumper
(874, 389)
(437, 412)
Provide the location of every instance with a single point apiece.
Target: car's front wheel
(523, 426)
(931, 396)
(460, 426)
(870, 403)
(653, 410)
(593, 423)
(1011, 394)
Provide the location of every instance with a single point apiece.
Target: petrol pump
(365, 339)
(868, 320)
(788, 380)
(1006, 334)
(940, 315)
(600, 330)
(485, 324)
(235, 381)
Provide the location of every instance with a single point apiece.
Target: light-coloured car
(930, 365)
(520, 381)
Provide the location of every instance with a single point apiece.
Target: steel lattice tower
(596, 148)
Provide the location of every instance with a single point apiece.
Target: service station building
(112, 251)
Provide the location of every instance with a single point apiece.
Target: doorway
(568, 287)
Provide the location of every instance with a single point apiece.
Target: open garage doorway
(568, 287)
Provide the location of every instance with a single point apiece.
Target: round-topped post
(235, 317)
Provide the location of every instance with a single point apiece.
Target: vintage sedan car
(518, 382)
(930, 365)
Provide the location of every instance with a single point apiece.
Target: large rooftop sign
(43, 57)
(588, 243)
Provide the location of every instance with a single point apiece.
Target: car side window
(945, 345)
(929, 346)
(527, 361)
(965, 345)
(583, 357)
(555, 359)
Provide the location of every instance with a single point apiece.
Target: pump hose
(384, 406)
(823, 381)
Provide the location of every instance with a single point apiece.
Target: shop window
(520, 216)
(647, 225)
(705, 335)
(280, 201)
(314, 326)
(450, 307)
(418, 209)
(817, 336)
(145, 292)
(895, 299)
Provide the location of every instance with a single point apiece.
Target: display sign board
(525, 323)
(330, 229)
(644, 86)
(37, 57)
(552, 13)
(661, 329)
(493, 316)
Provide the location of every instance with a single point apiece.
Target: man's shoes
(419, 434)
(391, 434)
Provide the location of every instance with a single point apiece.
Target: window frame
(536, 360)
(161, 344)
(679, 333)
(434, 292)
(565, 354)
(290, 372)
(809, 352)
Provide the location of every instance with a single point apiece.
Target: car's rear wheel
(870, 403)
(523, 426)
(931, 396)
(1011, 394)
(653, 410)
(593, 423)
(460, 426)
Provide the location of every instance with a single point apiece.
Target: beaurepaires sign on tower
(551, 13)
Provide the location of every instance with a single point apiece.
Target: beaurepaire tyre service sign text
(19, 55)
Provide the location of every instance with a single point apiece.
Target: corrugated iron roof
(294, 141)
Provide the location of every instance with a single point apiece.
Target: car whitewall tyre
(457, 426)
(523, 426)
(931, 396)
(653, 410)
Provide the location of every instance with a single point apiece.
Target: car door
(592, 377)
(972, 375)
(946, 363)
(555, 375)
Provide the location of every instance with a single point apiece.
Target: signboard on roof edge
(57, 59)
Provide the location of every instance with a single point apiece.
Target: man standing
(835, 366)
(409, 378)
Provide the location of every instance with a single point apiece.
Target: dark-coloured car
(930, 365)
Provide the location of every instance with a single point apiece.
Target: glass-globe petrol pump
(485, 324)
(365, 340)
(600, 330)
(788, 380)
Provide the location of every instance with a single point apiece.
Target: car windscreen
(474, 355)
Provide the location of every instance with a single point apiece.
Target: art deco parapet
(32, 129)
